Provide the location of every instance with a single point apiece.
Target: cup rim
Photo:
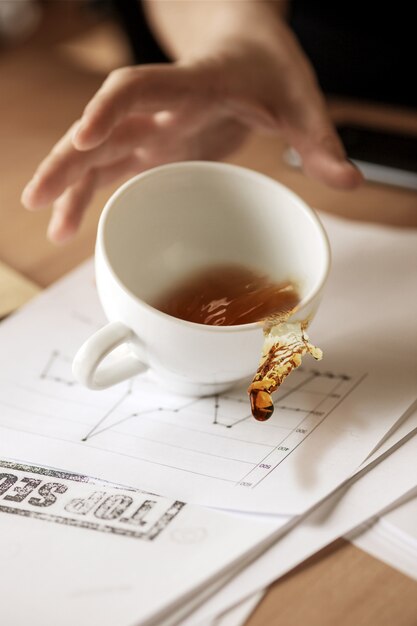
(242, 171)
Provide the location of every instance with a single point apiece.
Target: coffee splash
(284, 346)
(229, 295)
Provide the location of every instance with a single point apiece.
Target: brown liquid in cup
(228, 295)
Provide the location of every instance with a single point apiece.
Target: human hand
(148, 115)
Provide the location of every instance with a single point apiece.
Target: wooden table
(44, 85)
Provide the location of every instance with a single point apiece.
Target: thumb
(306, 127)
(323, 158)
(305, 124)
(313, 136)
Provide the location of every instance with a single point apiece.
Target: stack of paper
(338, 451)
(392, 537)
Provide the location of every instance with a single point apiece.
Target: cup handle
(87, 366)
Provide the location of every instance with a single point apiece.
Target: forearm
(193, 29)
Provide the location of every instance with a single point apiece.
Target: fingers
(283, 97)
(69, 208)
(130, 90)
(213, 142)
(109, 129)
(307, 126)
(65, 165)
(45, 185)
(312, 136)
(325, 160)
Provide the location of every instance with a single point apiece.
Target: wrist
(191, 30)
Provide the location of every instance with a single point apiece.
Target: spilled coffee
(228, 295)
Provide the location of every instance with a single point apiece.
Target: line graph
(58, 369)
(204, 450)
(291, 442)
(177, 429)
(207, 451)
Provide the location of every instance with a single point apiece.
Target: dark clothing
(358, 49)
(143, 44)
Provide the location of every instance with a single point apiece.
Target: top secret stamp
(76, 500)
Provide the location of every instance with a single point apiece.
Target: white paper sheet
(406, 428)
(42, 419)
(392, 538)
(391, 481)
(239, 614)
(329, 415)
(81, 551)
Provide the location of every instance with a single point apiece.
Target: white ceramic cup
(177, 219)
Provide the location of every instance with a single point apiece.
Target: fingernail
(163, 118)
(59, 239)
(27, 192)
(59, 232)
(54, 228)
(78, 130)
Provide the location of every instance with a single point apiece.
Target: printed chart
(209, 426)
(210, 451)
